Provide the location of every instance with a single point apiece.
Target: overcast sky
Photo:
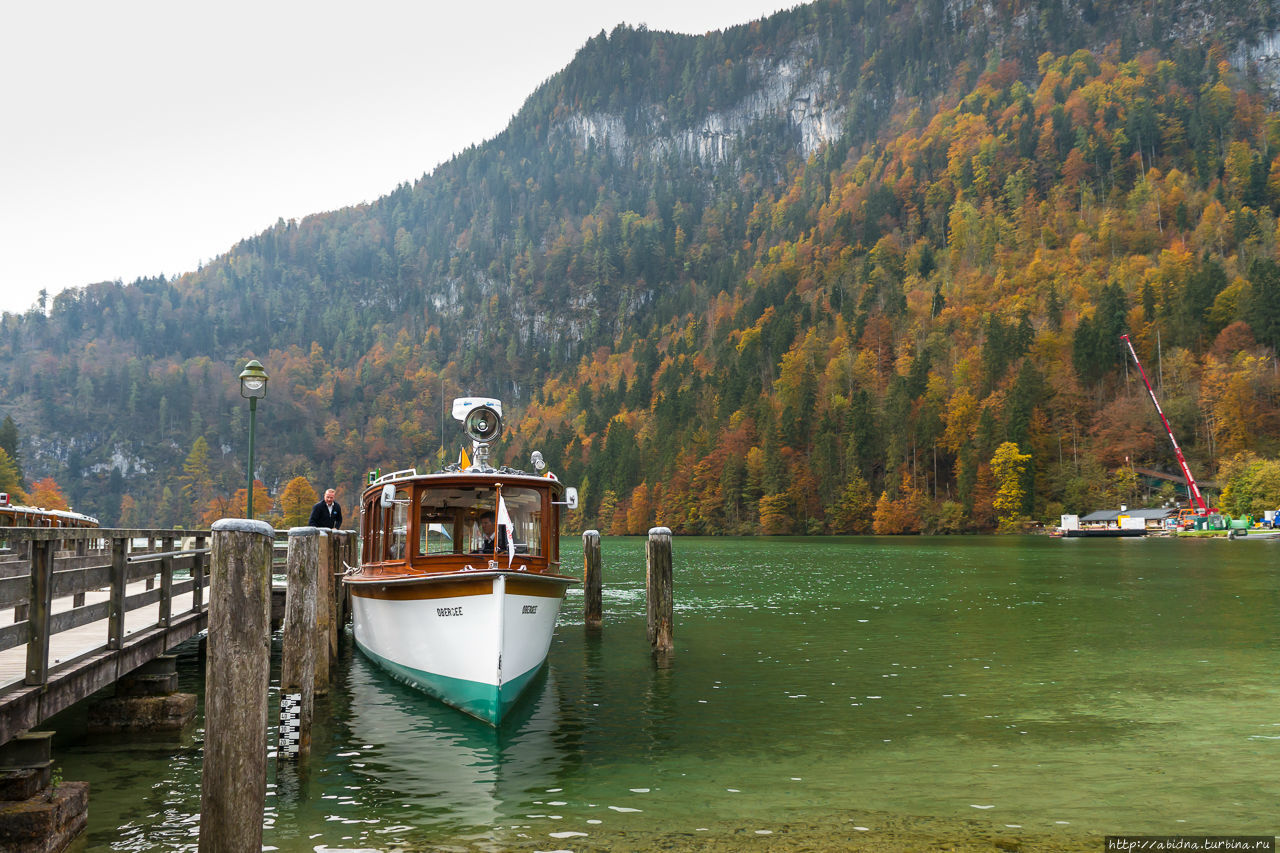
(146, 137)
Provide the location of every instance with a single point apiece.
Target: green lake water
(824, 694)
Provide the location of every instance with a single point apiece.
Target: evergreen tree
(10, 482)
(9, 444)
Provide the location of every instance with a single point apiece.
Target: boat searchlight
(482, 420)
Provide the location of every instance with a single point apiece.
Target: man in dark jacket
(327, 513)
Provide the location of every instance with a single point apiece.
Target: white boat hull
(472, 640)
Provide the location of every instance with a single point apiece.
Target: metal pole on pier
(592, 580)
(301, 637)
(234, 781)
(658, 592)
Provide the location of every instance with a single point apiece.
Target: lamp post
(253, 384)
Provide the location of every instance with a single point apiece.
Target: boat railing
(395, 475)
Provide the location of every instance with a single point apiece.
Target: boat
(464, 617)
(17, 515)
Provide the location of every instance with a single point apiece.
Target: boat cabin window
(398, 536)
(449, 519)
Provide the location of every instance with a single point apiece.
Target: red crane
(1197, 502)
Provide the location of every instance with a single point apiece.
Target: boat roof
(453, 474)
(1114, 514)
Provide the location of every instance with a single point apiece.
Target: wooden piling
(324, 610)
(658, 592)
(234, 782)
(592, 580)
(349, 558)
(301, 636)
(339, 555)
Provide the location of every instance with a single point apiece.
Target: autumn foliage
(913, 329)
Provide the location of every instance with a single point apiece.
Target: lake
(824, 694)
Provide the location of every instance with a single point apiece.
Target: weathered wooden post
(166, 582)
(119, 584)
(324, 611)
(298, 656)
(81, 549)
(350, 557)
(198, 562)
(341, 557)
(41, 601)
(658, 593)
(592, 581)
(234, 782)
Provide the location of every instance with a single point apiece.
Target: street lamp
(253, 384)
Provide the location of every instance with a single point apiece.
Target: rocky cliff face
(791, 91)
(1260, 59)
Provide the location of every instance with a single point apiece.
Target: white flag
(504, 523)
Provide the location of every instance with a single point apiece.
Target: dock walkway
(82, 607)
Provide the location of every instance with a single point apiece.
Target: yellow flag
(464, 461)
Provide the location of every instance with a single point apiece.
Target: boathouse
(1115, 519)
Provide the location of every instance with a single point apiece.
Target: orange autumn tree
(47, 493)
(262, 502)
(296, 500)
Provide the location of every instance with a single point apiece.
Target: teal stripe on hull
(487, 702)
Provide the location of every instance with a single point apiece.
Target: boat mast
(1196, 500)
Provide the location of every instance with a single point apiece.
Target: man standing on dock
(327, 513)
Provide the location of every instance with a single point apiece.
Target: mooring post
(350, 558)
(592, 580)
(324, 611)
(657, 584)
(340, 553)
(298, 655)
(234, 781)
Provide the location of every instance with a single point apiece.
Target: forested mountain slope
(856, 262)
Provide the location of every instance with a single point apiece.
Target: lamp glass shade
(253, 380)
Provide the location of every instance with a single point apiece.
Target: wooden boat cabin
(433, 523)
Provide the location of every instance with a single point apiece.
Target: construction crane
(1197, 501)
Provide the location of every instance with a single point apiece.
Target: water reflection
(441, 764)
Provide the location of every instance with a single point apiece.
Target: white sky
(141, 137)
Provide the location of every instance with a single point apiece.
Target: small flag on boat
(504, 523)
(464, 461)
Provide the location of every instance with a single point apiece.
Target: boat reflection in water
(448, 768)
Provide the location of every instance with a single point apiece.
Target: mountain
(796, 276)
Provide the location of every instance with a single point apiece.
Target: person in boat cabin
(487, 544)
(327, 513)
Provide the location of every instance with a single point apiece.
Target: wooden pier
(80, 608)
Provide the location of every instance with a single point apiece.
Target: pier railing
(79, 608)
